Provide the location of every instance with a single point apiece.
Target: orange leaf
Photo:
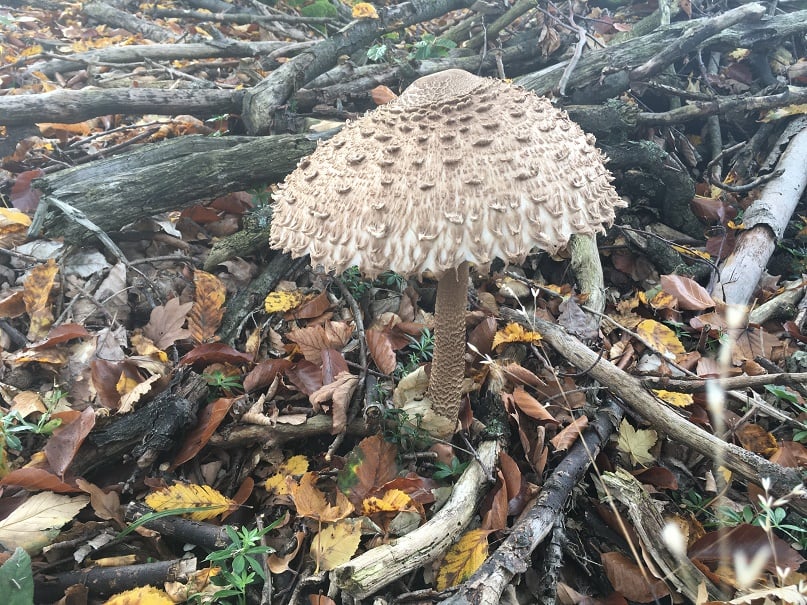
(311, 502)
(35, 295)
(564, 440)
(514, 333)
(364, 10)
(208, 308)
(380, 347)
(531, 406)
(208, 421)
(756, 439)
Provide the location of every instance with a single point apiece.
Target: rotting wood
(165, 176)
(676, 570)
(71, 106)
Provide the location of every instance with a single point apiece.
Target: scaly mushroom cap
(458, 168)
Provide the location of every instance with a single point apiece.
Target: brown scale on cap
(459, 169)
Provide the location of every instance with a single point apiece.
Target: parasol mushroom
(459, 169)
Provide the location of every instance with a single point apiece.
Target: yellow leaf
(679, 400)
(336, 543)
(463, 559)
(364, 10)
(144, 595)
(661, 338)
(636, 444)
(208, 500)
(738, 54)
(514, 333)
(296, 465)
(394, 500)
(662, 300)
(10, 216)
(280, 302)
(691, 252)
(784, 112)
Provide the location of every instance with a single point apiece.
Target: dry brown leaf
(690, 294)
(629, 579)
(380, 347)
(312, 340)
(564, 440)
(310, 501)
(165, 323)
(208, 308)
(531, 406)
(36, 294)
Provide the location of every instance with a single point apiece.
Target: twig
(693, 38)
(700, 109)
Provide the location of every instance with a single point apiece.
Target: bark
(163, 176)
(107, 581)
(766, 220)
(605, 73)
(156, 52)
(104, 13)
(70, 106)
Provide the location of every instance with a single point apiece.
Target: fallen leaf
(463, 558)
(636, 444)
(29, 525)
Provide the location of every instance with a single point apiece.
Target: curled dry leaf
(690, 294)
(566, 438)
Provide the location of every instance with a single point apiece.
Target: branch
(263, 100)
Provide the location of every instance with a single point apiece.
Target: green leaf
(377, 52)
(16, 579)
(781, 393)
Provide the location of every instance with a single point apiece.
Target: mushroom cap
(458, 168)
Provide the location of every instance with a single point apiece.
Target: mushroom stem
(448, 364)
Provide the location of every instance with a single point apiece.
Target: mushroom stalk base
(448, 365)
